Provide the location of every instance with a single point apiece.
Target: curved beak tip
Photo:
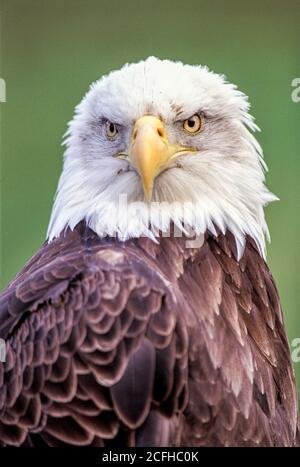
(148, 191)
(150, 152)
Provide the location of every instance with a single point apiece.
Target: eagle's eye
(193, 124)
(111, 129)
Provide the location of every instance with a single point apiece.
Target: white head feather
(221, 185)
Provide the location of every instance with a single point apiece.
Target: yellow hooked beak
(150, 152)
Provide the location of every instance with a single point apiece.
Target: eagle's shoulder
(77, 256)
(244, 372)
(93, 339)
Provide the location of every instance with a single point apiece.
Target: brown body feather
(137, 343)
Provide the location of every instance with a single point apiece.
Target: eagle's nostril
(134, 135)
(160, 132)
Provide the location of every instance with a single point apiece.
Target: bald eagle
(149, 316)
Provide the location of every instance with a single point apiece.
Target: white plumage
(221, 185)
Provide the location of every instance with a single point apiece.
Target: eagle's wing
(242, 388)
(95, 350)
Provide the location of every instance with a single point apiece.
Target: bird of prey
(149, 317)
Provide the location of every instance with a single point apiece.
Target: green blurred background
(52, 50)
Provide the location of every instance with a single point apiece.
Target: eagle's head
(160, 142)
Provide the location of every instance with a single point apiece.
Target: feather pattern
(143, 343)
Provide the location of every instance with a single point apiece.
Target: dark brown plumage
(137, 343)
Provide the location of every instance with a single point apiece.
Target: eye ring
(193, 125)
(111, 130)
